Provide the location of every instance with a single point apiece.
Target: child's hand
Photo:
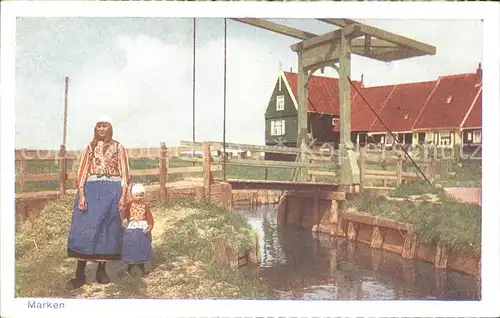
(146, 231)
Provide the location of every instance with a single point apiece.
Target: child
(137, 250)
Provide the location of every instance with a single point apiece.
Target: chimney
(291, 71)
(362, 82)
(479, 74)
(280, 66)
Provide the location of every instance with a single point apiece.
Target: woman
(103, 178)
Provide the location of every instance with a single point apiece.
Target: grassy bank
(183, 264)
(451, 223)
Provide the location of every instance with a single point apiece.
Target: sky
(139, 71)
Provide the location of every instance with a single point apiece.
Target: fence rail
(315, 164)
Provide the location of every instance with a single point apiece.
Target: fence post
(399, 171)
(163, 171)
(361, 169)
(207, 177)
(22, 171)
(63, 176)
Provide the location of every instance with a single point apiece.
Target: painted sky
(139, 72)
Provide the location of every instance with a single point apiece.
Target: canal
(300, 264)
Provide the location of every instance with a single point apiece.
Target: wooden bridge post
(399, 170)
(163, 166)
(22, 172)
(207, 161)
(361, 169)
(63, 176)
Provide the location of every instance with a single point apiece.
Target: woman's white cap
(105, 119)
(138, 188)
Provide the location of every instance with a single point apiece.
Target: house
(471, 127)
(362, 116)
(322, 106)
(444, 112)
(447, 110)
(399, 113)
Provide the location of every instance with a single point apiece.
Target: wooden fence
(318, 164)
(162, 153)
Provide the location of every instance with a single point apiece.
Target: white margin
(488, 306)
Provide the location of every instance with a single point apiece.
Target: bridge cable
(224, 120)
(194, 82)
(388, 130)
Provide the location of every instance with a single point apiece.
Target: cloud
(144, 82)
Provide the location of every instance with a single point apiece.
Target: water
(300, 264)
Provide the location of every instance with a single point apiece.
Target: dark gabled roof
(403, 107)
(449, 103)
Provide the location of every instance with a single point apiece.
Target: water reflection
(300, 264)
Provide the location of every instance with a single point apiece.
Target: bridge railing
(254, 162)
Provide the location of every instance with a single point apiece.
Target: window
(476, 137)
(449, 99)
(277, 127)
(445, 139)
(469, 136)
(389, 140)
(280, 102)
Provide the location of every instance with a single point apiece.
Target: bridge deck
(241, 184)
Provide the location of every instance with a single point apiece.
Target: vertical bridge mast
(315, 52)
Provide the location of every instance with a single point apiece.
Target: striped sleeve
(84, 168)
(124, 166)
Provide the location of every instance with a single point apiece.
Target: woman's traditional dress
(137, 244)
(96, 234)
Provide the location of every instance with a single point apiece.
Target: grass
(453, 224)
(183, 264)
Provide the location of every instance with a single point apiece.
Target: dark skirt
(136, 246)
(96, 234)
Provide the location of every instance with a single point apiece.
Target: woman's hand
(146, 231)
(82, 203)
(122, 203)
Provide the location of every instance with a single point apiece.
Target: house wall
(288, 114)
(290, 136)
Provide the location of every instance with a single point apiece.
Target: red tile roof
(450, 102)
(323, 93)
(361, 114)
(403, 107)
(474, 119)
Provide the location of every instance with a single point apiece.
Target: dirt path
(116, 271)
(470, 195)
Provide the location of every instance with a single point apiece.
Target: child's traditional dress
(96, 234)
(137, 247)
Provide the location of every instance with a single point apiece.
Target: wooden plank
(42, 177)
(397, 39)
(321, 55)
(323, 195)
(359, 218)
(193, 169)
(277, 28)
(145, 172)
(263, 163)
(321, 173)
(390, 224)
(261, 148)
(349, 30)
